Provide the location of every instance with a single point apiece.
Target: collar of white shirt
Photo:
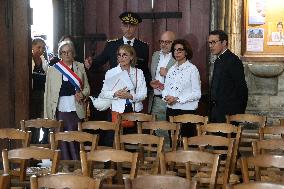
(125, 41)
(165, 55)
(222, 53)
(186, 63)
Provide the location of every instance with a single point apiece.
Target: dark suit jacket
(229, 92)
(109, 55)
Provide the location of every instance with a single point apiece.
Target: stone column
(69, 20)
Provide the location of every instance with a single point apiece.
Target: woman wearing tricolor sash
(66, 90)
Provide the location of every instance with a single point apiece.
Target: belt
(159, 96)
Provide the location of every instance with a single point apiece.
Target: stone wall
(266, 89)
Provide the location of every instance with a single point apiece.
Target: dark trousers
(69, 150)
(37, 102)
(106, 136)
(187, 129)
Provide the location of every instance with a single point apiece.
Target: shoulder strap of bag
(135, 87)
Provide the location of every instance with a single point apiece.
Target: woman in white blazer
(130, 97)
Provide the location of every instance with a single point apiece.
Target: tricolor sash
(71, 76)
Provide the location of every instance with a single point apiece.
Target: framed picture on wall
(266, 17)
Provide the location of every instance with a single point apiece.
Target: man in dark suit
(229, 92)
(129, 24)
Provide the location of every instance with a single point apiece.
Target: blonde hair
(131, 51)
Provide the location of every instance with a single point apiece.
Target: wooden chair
(173, 128)
(103, 125)
(10, 135)
(256, 185)
(149, 148)
(160, 182)
(106, 155)
(72, 136)
(15, 134)
(136, 117)
(216, 145)
(228, 130)
(61, 181)
(273, 146)
(192, 159)
(189, 118)
(28, 153)
(5, 181)
(263, 164)
(271, 132)
(51, 124)
(251, 124)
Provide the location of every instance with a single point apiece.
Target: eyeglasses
(212, 43)
(66, 52)
(167, 42)
(123, 55)
(179, 50)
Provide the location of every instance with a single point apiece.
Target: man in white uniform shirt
(161, 62)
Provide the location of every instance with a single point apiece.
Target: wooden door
(102, 17)
(14, 64)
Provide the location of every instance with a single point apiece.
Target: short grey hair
(66, 43)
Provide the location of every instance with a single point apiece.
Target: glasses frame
(167, 42)
(179, 50)
(66, 53)
(213, 43)
(124, 55)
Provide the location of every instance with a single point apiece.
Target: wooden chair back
(190, 158)
(271, 132)
(164, 125)
(73, 136)
(149, 148)
(136, 117)
(216, 145)
(105, 155)
(103, 125)
(16, 134)
(249, 118)
(251, 124)
(51, 124)
(159, 181)
(259, 162)
(256, 185)
(228, 130)
(273, 146)
(5, 181)
(189, 118)
(37, 153)
(61, 181)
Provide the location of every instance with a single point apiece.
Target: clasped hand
(123, 93)
(79, 97)
(156, 84)
(171, 100)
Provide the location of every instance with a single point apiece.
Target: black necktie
(128, 42)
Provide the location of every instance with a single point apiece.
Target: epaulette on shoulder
(111, 40)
